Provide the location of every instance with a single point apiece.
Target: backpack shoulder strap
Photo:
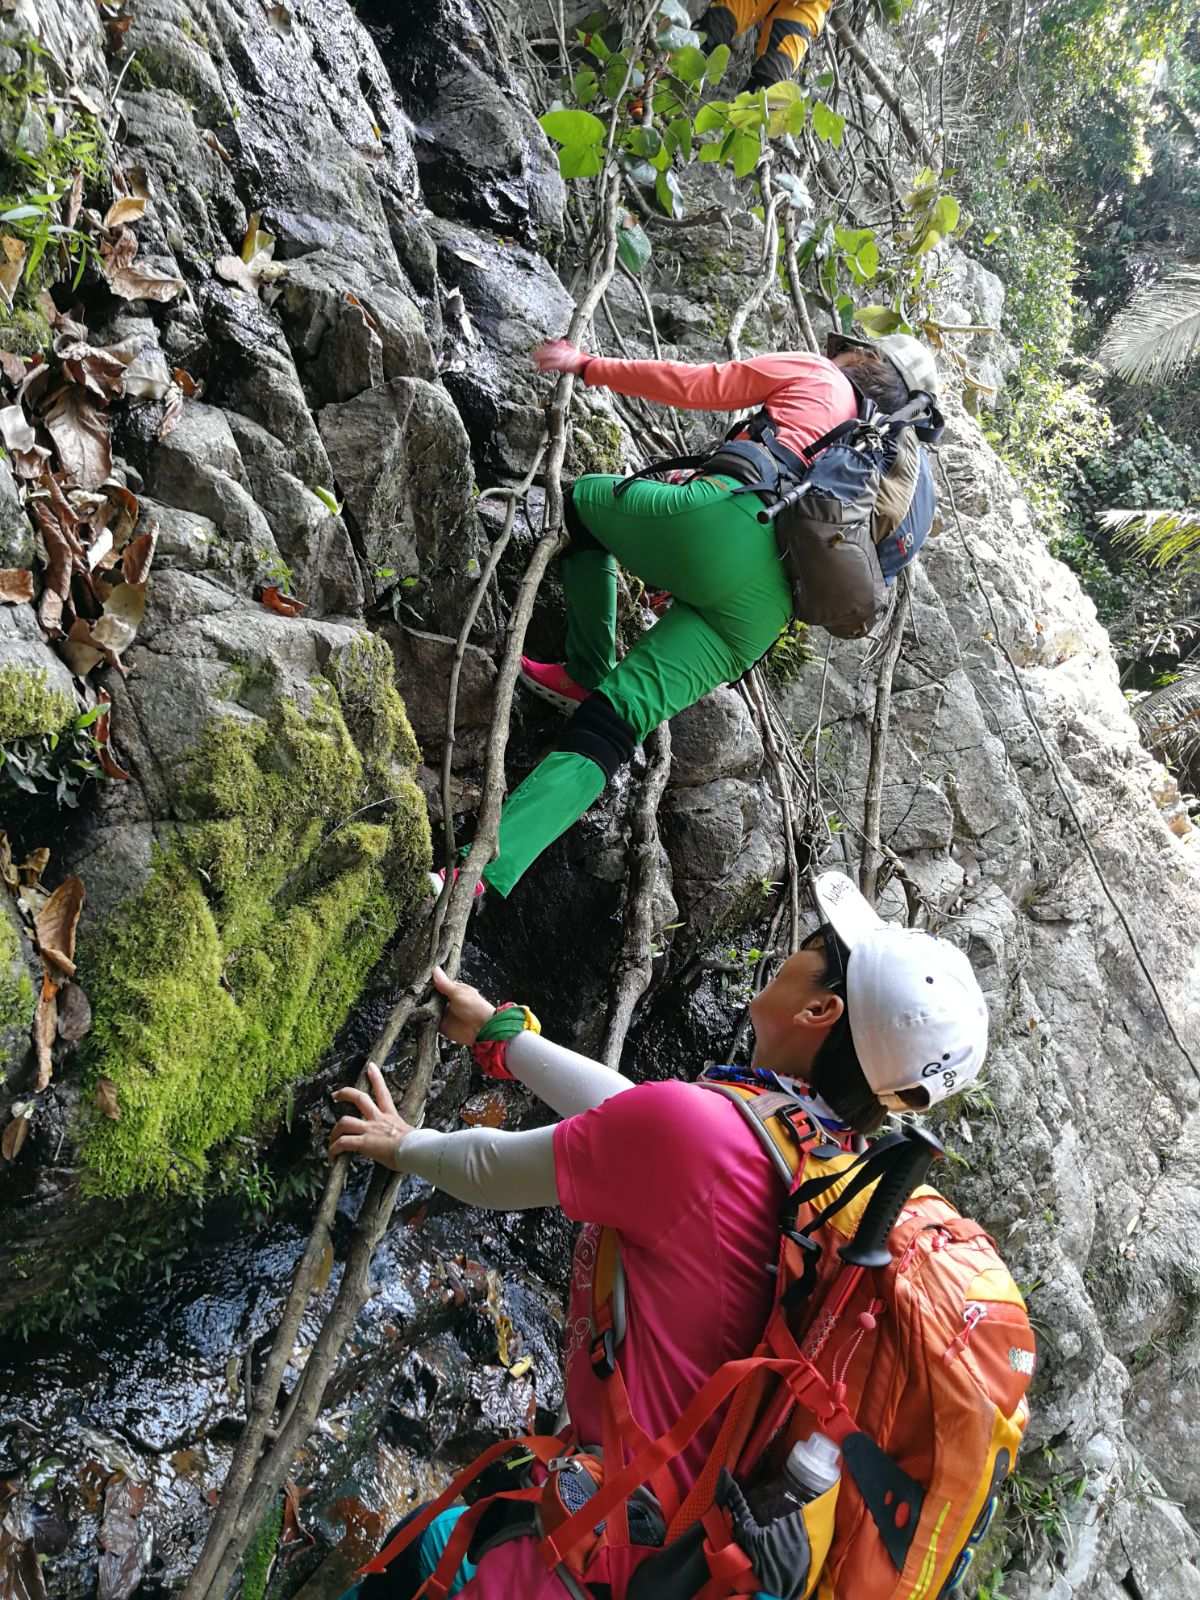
(778, 1121)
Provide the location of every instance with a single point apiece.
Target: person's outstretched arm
(704, 386)
(482, 1166)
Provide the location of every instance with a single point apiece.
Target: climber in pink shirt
(701, 541)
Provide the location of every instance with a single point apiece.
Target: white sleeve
(485, 1166)
(568, 1083)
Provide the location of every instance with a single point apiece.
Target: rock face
(271, 840)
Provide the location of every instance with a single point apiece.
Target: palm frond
(1158, 332)
(1162, 536)
(1169, 719)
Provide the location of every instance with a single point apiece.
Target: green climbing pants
(731, 598)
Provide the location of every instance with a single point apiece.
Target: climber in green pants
(731, 598)
(698, 540)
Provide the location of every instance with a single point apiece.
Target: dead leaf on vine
(34, 864)
(110, 764)
(80, 431)
(286, 605)
(190, 387)
(14, 1137)
(12, 265)
(128, 209)
(45, 1028)
(57, 922)
(139, 553)
(7, 870)
(106, 1099)
(16, 585)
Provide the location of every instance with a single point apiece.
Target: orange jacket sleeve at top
(708, 386)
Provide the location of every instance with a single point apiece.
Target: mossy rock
(30, 705)
(302, 844)
(17, 998)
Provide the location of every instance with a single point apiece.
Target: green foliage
(29, 706)
(225, 978)
(790, 653)
(16, 988)
(56, 765)
(260, 1554)
(1158, 333)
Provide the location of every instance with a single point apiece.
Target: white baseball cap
(918, 1018)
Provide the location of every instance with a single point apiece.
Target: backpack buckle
(603, 1355)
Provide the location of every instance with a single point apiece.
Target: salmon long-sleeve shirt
(806, 395)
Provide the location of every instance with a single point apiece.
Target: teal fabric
(435, 1539)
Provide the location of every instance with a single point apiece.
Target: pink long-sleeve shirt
(806, 395)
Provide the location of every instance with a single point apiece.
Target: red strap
(632, 1438)
(617, 1489)
(437, 1584)
(544, 1449)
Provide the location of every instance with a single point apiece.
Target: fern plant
(1169, 719)
(1161, 536)
(1158, 332)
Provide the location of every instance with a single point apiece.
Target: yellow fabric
(819, 1517)
(532, 1025)
(846, 1221)
(764, 14)
(995, 1284)
(1006, 1435)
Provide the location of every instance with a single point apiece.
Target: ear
(821, 1012)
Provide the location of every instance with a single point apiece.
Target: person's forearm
(566, 1081)
(708, 386)
(485, 1166)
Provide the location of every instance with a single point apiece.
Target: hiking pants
(731, 598)
(786, 28)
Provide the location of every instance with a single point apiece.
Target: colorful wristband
(492, 1040)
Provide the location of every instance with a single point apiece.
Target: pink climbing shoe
(438, 878)
(551, 682)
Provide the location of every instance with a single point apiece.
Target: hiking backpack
(895, 1330)
(839, 552)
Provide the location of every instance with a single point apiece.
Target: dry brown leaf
(275, 600)
(116, 630)
(56, 924)
(132, 282)
(234, 270)
(15, 433)
(12, 366)
(124, 1545)
(8, 872)
(187, 383)
(215, 145)
(60, 561)
(45, 1027)
(106, 1099)
(78, 651)
(34, 864)
(172, 412)
(80, 431)
(74, 199)
(16, 585)
(112, 768)
(128, 209)
(139, 553)
(484, 1110)
(137, 181)
(12, 265)
(14, 1137)
(74, 1013)
(293, 1530)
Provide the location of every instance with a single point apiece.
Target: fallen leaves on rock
(131, 279)
(20, 1571)
(106, 1099)
(125, 1544)
(112, 767)
(16, 585)
(74, 1014)
(80, 430)
(286, 605)
(12, 266)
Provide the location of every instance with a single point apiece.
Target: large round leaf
(573, 127)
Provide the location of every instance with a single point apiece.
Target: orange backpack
(896, 1330)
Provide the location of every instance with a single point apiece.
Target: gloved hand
(779, 1552)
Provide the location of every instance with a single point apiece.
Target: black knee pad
(601, 734)
(718, 26)
(582, 537)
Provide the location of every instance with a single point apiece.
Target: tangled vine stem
(255, 1478)
(635, 965)
(868, 871)
(884, 88)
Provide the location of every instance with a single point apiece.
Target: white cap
(911, 359)
(918, 1018)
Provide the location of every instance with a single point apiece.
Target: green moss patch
(16, 987)
(29, 706)
(227, 977)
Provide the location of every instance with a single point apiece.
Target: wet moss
(299, 851)
(16, 987)
(29, 706)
